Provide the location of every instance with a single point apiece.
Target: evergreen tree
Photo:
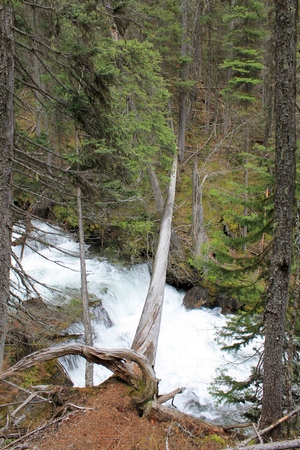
(285, 171)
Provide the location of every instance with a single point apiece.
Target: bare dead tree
(146, 337)
(6, 157)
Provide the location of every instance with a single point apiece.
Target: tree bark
(6, 157)
(275, 311)
(147, 333)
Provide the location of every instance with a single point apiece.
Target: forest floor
(105, 418)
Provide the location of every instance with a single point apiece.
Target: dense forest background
(105, 94)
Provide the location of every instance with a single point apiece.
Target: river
(188, 354)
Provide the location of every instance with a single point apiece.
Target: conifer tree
(285, 171)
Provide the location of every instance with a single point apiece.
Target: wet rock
(228, 304)
(198, 296)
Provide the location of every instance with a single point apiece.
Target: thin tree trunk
(156, 190)
(183, 89)
(147, 333)
(198, 230)
(6, 157)
(88, 338)
(275, 311)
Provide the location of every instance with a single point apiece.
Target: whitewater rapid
(188, 354)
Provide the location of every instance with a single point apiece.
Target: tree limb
(127, 364)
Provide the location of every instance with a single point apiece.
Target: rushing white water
(188, 354)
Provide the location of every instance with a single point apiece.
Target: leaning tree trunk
(146, 337)
(275, 312)
(6, 157)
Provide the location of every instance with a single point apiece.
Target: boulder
(196, 297)
(199, 296)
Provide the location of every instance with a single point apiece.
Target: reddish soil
(108, 420)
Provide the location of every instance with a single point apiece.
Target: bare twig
(31, 433)
(243, 445)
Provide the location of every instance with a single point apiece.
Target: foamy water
(188, 355)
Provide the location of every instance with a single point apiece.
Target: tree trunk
(88, 339)
(183, 89)
(198, 230)
(275, 311)
(175, 241)
(6, 156)
(156, 190)
(147, 333)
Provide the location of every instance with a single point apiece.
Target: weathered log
(194, 425)
(127, 364)
(147, 333)
(282, 445)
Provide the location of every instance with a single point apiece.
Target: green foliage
(244, 61)
(247, 392)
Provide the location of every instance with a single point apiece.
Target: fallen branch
(282, 445)
(31, 433)
(238, 425)
(243, 444)
(165, 397)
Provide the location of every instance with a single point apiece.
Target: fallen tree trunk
(147, 333)
(128, 365)
(194, 425)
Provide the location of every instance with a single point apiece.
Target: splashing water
(187, 355)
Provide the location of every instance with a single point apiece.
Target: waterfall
(188, 355)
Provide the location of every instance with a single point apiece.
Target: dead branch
(243, 444)
(127, 364)
(31, 433)
(164, 398)
(283, 445)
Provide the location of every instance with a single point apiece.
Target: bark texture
(6, 155)
(146, 337)
(275, 312)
